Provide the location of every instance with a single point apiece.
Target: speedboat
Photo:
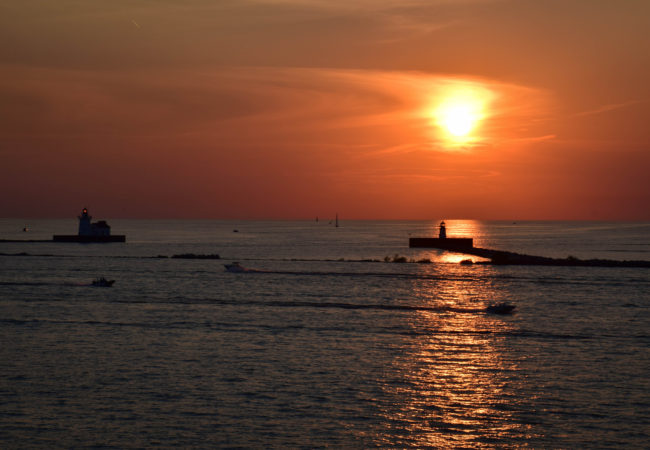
(235, 267)
(500, 308)
(103, 282)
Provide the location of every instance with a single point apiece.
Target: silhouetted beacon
(442, 241)
(90, 232)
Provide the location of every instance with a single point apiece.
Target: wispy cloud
(608, 107)
(388, 112)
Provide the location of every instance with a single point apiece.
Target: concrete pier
(458, 244)
(500, 257)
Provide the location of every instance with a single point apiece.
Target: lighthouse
(85, 228)
(443, 231)
(90, 232)
(442, 241)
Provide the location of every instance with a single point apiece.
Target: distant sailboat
(337, 220)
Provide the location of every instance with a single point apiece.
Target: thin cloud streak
(280, 105)
(608, 108)
(296, 98)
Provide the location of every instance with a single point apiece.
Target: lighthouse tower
(90, 232)
(443, 231)
(443, 242)
(85, 228)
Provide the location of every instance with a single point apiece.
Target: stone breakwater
(510, 258)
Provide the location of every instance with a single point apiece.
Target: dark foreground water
(319, 351)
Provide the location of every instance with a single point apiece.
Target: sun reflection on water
(454, 381)
(455, 228)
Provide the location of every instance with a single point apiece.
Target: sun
(458, 116)
(458, 119)
(458, 113)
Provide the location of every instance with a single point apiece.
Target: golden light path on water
(454, 380)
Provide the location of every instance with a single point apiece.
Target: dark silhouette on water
(90, 232)
(500, 308)
(500, 257)
(235, 267)
(442, 241)
(103, 282)
(196, 256)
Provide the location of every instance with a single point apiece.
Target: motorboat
(235, 267)
(500, 308)
(103, 282)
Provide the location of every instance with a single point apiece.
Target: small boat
(500, 308)
(235, 267)
(103, 282)
(467, 262)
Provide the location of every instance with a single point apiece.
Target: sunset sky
(372, 109)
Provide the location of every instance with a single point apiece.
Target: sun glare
(458, 119)
(458, 114)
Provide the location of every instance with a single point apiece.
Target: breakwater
(501, 257)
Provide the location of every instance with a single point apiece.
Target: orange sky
(304, 108)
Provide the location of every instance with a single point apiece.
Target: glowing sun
(458, 119)
(459, 113)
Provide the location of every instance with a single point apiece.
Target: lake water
(330, 346)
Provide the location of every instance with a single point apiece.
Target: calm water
(325, 348)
